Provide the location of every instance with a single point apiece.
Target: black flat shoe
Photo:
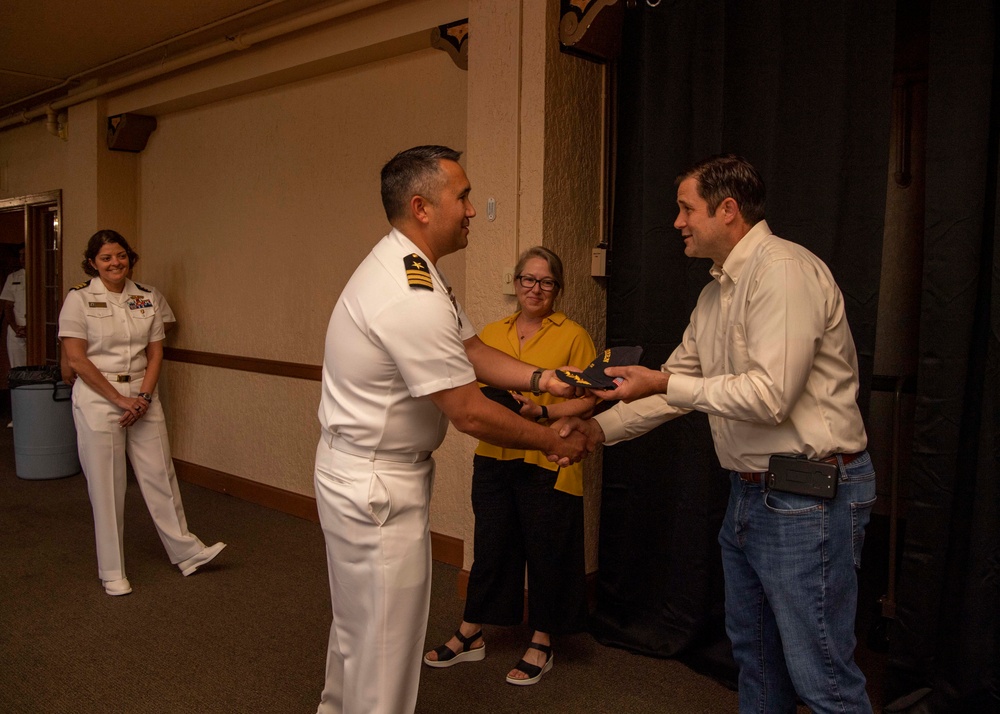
(533, 671)
(447, 657)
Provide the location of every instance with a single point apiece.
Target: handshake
(578, 437)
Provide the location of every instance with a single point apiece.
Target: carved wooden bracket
(453, 39)
(586, 30)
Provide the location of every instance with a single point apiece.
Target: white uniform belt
(336, 441)
(115, 377)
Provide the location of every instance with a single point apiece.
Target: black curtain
(802, 90)
(944, 650)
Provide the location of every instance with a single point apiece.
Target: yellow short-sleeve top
(558, 342)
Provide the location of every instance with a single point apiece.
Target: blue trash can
(44, 433)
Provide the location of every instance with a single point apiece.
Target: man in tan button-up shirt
(769, 356)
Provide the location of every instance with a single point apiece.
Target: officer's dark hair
(729, 176)
(416, 171)
(555, 264)
(102, 238)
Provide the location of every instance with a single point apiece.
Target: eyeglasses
(528, 282)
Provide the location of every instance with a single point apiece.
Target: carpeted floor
(247, 633)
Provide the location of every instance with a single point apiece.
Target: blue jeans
(790, 566)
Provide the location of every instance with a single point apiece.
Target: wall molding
(444, 548)
(277, 368)
(278, 499)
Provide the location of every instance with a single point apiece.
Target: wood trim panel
(446, 549)
(294, 504)
(245, 364)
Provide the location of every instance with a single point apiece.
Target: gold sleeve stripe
(416, 278)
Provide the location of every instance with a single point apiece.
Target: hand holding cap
(593, 376)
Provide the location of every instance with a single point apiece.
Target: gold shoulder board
(418, 275)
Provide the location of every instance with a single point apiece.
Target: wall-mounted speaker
(129, 132)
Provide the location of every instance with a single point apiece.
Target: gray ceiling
(49, 48)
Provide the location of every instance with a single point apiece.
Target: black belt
(759, 478)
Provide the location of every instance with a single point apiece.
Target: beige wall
(571, 207)
(535, 130)
(255, 212)
(99, 189)
(31, 161)
(257, 195)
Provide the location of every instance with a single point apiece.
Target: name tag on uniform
(97, 304)
(139, 302)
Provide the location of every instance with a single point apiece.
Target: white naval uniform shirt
(388, 346)
(162, 306)
(13, 290)
(117, 327)
(768, 355)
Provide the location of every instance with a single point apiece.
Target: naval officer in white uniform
(15, 310)
(401, 360)
(162, 308)
(112, 335)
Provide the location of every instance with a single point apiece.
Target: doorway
(34, 222)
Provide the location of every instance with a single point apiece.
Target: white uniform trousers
(17, 349)
(102, 446)
(374, 515)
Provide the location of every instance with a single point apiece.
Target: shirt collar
(557, 318)
(741, 252)
(97, 286)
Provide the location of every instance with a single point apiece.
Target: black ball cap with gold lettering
(593, 376)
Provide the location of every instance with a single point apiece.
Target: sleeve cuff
(681, 389)
(612, 426)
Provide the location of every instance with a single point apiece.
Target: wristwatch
(536, 378)
(147, 396)
(544, 415)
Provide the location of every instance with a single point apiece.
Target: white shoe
(117, 587)
(199, 559)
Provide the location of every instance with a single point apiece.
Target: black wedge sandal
(533, 671)
(447, 658)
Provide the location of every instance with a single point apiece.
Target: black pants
(521, 519)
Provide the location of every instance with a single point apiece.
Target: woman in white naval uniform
(112, 335)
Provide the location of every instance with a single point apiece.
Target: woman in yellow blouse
(528, 511)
